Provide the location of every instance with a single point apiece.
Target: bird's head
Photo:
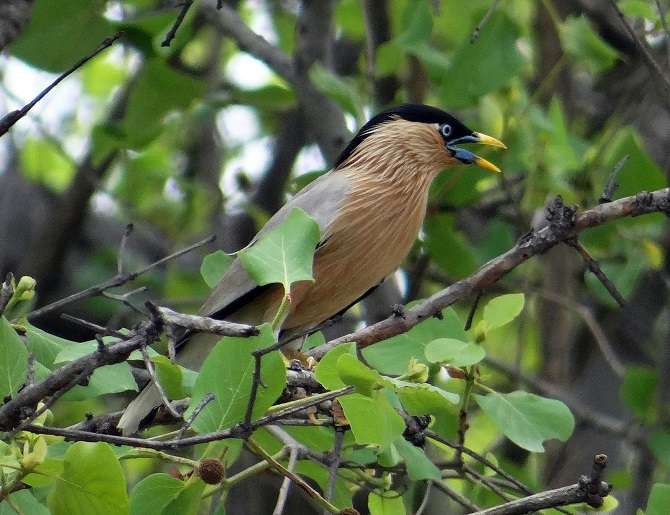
(419, 135)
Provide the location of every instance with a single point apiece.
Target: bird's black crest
(410, 112)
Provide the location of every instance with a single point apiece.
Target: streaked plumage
(369, 209)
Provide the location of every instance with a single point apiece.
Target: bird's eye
(445, 130)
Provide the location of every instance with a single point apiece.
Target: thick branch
(536, 242)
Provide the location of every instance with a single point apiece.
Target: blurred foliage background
(202, 137)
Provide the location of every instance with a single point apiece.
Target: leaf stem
(282, 311)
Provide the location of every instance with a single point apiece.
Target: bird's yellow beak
(467, 157)
(484, 139)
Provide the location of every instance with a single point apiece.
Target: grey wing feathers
(321, 199)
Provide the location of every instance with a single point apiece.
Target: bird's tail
(138, 409)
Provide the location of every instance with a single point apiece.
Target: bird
(369, 208)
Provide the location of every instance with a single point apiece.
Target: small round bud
(211, 471)
(25, 290)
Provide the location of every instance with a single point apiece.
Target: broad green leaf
(150, 100)
(43, 163)
(188, 500)
(44, 346)
(423, 398)
(25, 502)
(639, 8)
(170, 377)
(527, 419)
(659, 443)
(13, 360)
(392, 356)
(390, 503)
(389, 456)
(54, 40)
(638, 390)
(213, 267)
(502, 310)
(361, 410)
(454, 352)
(227, 373)
(342, 495)
(342, 91)
(285, 254)
(497, 61)
(448, 247)
(585, 46)
(313, 340)
(418, 465)
(104, 380)
(659, 500)
(419, 24)
(151, 495)
(270, 96)
(353, 372)
(326, 371)
(92, 482)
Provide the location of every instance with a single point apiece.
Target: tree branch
(536, 242)
(7, 121)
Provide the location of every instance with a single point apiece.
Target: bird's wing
(321, 199)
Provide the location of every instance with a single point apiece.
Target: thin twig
(463, 501)
(473, 310)
(185, 6)
(594, 266)
(647, 56)
(312, 494)
(204, 324)
(154, 380)
(426, 498)
(122, 248)
(475, 33)
(6, 292)
(611, 185)
(334, 458)
(198, 409)
(98, 329)
(286, 483)
(7, 121)
(117, 280)
(481, 459)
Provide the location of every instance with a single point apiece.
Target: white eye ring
(445, 130)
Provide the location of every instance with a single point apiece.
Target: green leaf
(419, 26)
(527, 419)
(25, 502)
(360, 410)
(448, 247)
(353, 372)
(158, 90)
(484, 66)
(638, 390)
(423, 398)
(13, 360)
(227, 373)
(454, 352)
(419, 466)
(326, 371)
(503, 309)
(54, 39)
(43, 163)
(638, 8)
(92, 482)
(151, 495)
(213, 267)
(44, 346)
(285, 254)
(659, 443)
(390, 503)
(342, 91)
(585, 46)
(659, 500)
(170, 377)
(392, 356)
